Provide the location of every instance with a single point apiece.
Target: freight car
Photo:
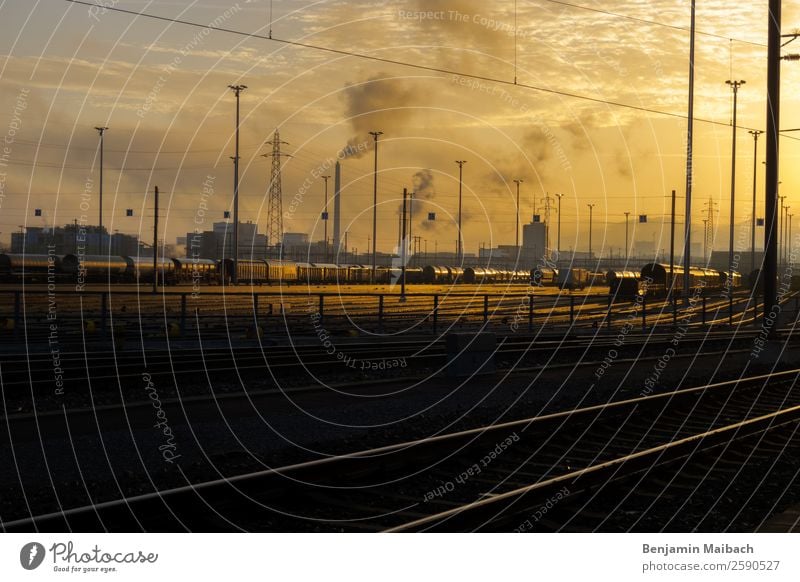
(573, 278)
(30, 268)
(476, 275)
(96, 269)
(196, 270)
(259, 271)
(141, 270)
(331, 273)
(616, 281)
(736, 279)
(701, 279)
(544, 277)
(436, 275)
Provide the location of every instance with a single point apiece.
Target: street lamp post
(591, 207)
(237, 89)
(735, 84)
(459, 247)
(375, 135)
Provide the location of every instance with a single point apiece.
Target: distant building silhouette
(69, 238)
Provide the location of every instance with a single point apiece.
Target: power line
(655, 23)
(388, 61)
(62, 146)
(122, 169)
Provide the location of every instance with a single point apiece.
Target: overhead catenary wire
(418, 66)
(655, 23)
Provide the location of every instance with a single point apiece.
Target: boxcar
(193, 269)
(281, 271)
(736, 279)
(360, 274)
(544, 277)
(573, 278)
(307, 273)
(332, 273)
(251, 271)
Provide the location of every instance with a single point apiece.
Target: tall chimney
(337, 210)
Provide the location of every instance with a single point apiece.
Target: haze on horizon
(161, 88)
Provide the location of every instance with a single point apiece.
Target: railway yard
(496, 407)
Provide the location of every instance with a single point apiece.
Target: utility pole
(705, 238)
(399, 228)
(770, 270)
(237, 89)
(459, 248)
(516, 231)
(735, 84)
(708, 235)
(325, 216)
(375, 135)
(155, 243)
(755, 133)
(591, 207)
(410, 216)
(558, 242)
(672, 249)
(790, 256)
(101, 131)
(345, 245)
(627, 214)
(403, 253)
(785, 233)
(781, 227)
(687, 228)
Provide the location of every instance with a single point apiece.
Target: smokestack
(337, 208)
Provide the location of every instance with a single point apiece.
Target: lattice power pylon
(275, 205)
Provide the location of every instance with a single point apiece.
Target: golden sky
(161, 88)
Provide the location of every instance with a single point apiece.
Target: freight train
(173, 271)
(654, 281)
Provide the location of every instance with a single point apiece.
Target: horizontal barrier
(171, 313)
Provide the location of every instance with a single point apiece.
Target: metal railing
(178, 312)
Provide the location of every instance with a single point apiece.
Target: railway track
(36, 369)
(495, 477)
